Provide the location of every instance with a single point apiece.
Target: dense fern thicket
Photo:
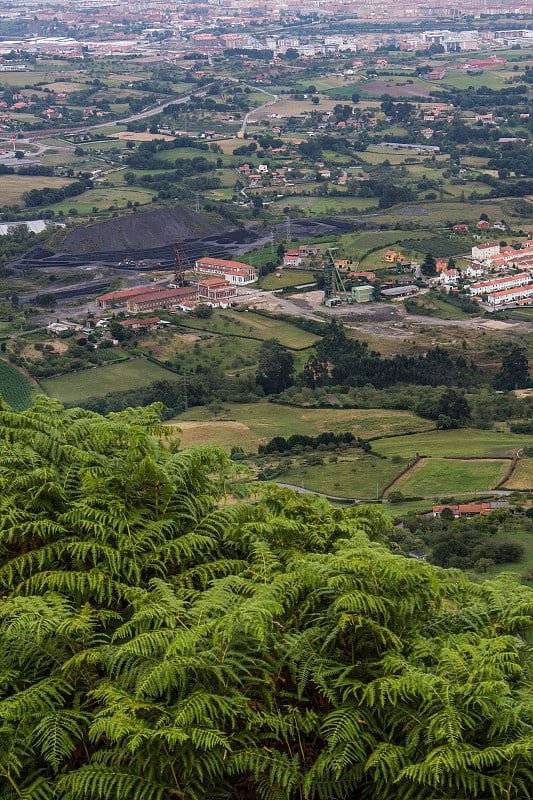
(158, 642)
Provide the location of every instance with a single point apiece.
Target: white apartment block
(500, 284)
(482, 251)
(511, 295)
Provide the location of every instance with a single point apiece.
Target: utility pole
(197, 203)
(185, 379)
(288, 226)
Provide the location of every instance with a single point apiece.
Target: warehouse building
(120, 299)
(165, 299)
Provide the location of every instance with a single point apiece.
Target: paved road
(247, 116)
(302, 490)
(147, 112)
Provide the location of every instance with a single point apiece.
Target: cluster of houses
(52, 106)
(502, 288)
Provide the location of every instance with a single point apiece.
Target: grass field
(15, 387)
(317, 206)
(248, 425)
(102, 199)
(355, 245)
(440, 476)
(431, 214)
(14, 186)
(522, 477)
(286, 278)
(98, 381)
(460, 443)
(493, 79)
(363, 477)
(254, 326)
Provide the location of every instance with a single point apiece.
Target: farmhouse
(292, 258)
(471, 509)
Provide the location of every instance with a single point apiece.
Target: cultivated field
(98, 381)
(398, 88)
(440, 476)
(15, 389)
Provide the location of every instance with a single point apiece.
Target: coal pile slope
(142, 231)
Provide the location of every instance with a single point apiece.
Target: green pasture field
(117, 176)
(102, 198)
(21, 79)
(55, 158)
(428, 214)
(376, 155)
(14, 186)
(254, 423)
(231, 354)
(441, 476)
(455, 190)
(396, 510)
(15, 388)
(318, 206)
(362, 477)
(321, 84)
(103, 145)
(98, 381)
(355, 245)
(250, 325)
(287, 278)
(492, 78)
(522, 477)
(192, 152)
(459, 443)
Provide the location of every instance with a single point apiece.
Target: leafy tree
(203, 311)
(514, 372)
(276, 367)
(158, 643)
